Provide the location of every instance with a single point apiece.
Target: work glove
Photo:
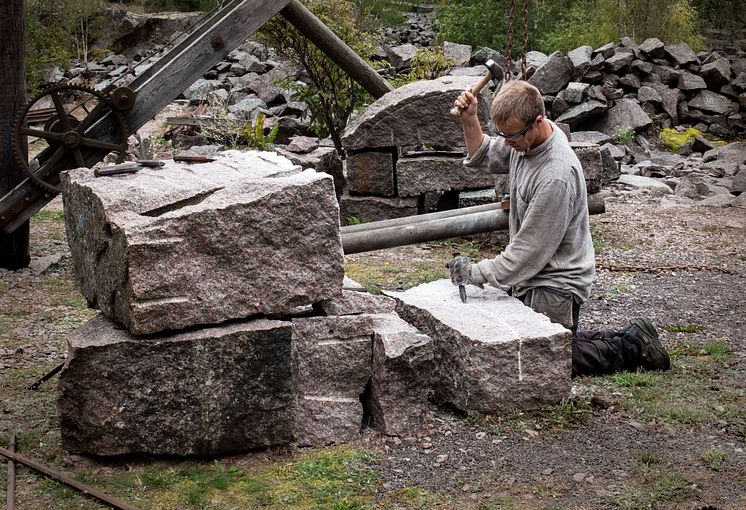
(460, 268)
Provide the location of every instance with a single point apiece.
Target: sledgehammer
(494, 72)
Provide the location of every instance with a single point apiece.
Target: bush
(332, 96)
(563, 25)
(57, 31)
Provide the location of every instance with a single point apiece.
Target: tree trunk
(14, 247)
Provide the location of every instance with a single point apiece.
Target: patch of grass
(714, 458)
(394, 277)
(417, 498)
(618, 289)
(57, 216)
(647, 458)
(632, 498)
(683, 328)
(636, 379)
(674, 487)
(718, 351)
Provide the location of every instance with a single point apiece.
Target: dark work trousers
(601, 352)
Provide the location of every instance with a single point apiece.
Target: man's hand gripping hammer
(494, 72)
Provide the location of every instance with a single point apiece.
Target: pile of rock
(227, 324)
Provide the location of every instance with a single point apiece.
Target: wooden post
(14, 247)
(327, 41)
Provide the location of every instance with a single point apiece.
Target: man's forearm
(472, 134)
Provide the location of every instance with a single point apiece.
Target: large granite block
(202, 392)
(420, 174)
(196, 244)
(331, 367)
(414, 114)
(401, 381)
(492, 353)
(371, 173)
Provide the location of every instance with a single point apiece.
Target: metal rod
(35, 385)
(444, 228)
(11, 495)
(419, 217)
(328, 42)
(85, 489)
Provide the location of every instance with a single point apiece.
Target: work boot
(653, 355)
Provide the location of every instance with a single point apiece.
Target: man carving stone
(549, 263)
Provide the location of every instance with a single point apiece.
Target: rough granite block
(414, 114)
(492, 353)
(402, 376)
(332, 355)
(325, 420)
(185, 245)
(420, 174)
(371, 173)
(203, 392)
(331, 367)
(589, 155)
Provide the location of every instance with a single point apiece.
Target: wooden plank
(198, 56)
(328, 42)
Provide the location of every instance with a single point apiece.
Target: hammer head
(495, 70)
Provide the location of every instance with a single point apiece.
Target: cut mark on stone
(162, 301)
(320, 398)
(179, 204)
(162, 241)
(520, 371)
(343, 342)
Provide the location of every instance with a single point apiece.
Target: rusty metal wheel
(63, 142)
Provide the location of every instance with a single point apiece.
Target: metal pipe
(421, 231)
(419, 217)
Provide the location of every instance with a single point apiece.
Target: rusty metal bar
(35, 385)
(86, 490)
(10, 498)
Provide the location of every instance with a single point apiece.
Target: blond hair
(517, 99)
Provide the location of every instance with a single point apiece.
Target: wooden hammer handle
(474, 89)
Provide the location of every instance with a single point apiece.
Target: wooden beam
(14, 247)
(328, 42)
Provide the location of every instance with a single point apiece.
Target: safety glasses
(517, 136)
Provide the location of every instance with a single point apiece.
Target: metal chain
(511, 21)
(524, 45)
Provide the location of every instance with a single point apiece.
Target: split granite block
(332, 365)
(201, 392)
(492, 353)
(191, 244)
(401, 383)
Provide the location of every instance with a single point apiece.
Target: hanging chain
(524, 45)
(511, 21)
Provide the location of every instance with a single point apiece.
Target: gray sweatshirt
(550, 239)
